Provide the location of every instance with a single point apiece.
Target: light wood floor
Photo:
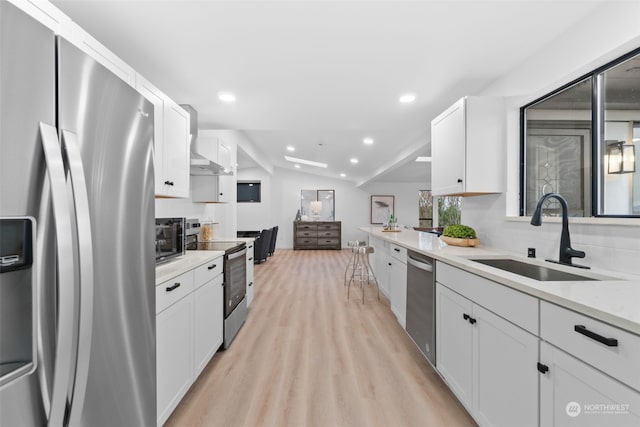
(308, 357)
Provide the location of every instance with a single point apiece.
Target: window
(580, 141)
(449, 210)
(248, 192)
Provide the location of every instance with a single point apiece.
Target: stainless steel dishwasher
(421, 303)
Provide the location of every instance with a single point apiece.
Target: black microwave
(169, 238)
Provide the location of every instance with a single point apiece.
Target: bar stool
(363, 270)
(354, 245)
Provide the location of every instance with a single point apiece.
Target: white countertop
(230, 239)
(188, 261)
(615, 300)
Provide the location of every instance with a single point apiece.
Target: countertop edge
(180, 265)
(457, 257)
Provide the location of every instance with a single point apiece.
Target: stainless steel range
(235, 277)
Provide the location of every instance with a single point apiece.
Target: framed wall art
(381, 209)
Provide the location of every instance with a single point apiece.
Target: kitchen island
(518, 351)
(614, 298)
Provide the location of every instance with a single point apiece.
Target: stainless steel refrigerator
(77, 270)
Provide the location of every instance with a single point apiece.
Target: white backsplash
(609, 247)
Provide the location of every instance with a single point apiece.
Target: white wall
(405, 198)
(281, 201)
(256, 216)
(580, 50)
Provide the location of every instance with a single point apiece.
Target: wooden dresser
(317, 235)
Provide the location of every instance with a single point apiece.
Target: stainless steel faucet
(566, 251)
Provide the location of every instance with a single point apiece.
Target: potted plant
(460, 235)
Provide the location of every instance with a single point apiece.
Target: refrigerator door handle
(65, 265)
(71, 153)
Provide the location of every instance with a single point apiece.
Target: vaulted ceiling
(322, 75)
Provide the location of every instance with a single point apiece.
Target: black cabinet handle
(168, 182)
(459, 180)
(251, 259)
(396, 249)
(174, 287)
(468, 318)
(389, 263)
(211, 267)
(543, 369)
(250, 283)
(581, 329)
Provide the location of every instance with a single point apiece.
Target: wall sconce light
(622, 158)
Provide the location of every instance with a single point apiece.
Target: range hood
(201, 165)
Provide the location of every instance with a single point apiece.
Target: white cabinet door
(176, 161)
(250, 286)
(157, 98)
(573, 393)
(207, 322)
(454, 345)
(468, 146)
(398, 289)
(506, 378)
(448, 133)
(174, 355)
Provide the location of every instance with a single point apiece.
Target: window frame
(597, 135)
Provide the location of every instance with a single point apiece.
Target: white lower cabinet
(379, 263)
(207, 324)
(397, 265)
(592, 369)
(488, 362)
(573, 393)
(189, 323)
(250, 286)
(174, 355)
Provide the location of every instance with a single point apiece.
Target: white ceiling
(307, 73)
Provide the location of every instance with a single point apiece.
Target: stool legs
(362, 268)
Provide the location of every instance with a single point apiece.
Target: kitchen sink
(533, 271)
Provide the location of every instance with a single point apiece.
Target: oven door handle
(238, 254)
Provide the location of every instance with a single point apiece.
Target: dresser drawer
(207, 271)
(306, 227)
(608, 348)
(307, 233)
(332, 226)
(328, 241)
(328, 233)
(173, 290)
(301, 241)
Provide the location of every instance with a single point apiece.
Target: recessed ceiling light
(226, 97)
(407, 98)
(368, 141)
(290, 148)
(354, 160)
(423, 159)
(305, 162)
(296, 166)
(343, 175)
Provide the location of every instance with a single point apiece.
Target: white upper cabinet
(47, 14)
(468, 148)
(156, 97)
(92, 47)
(171, 142)
(175, 151)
